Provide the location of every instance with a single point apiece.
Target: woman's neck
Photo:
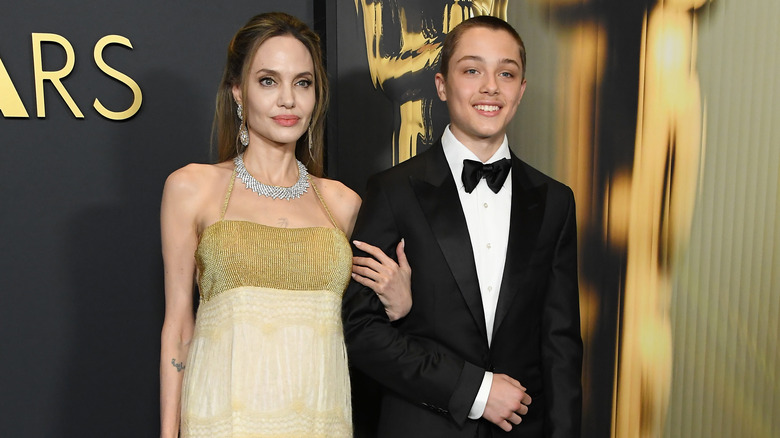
(272, 166)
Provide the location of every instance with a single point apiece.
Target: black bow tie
(495, 174)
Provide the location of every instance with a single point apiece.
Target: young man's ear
(441, 89)
(522, 91)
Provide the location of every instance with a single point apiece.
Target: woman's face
(280, 93)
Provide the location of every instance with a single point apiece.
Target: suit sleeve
(417, 368)
(561, 341)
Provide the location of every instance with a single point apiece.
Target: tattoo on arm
(179, 366)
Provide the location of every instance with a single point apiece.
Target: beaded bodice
(233, 254)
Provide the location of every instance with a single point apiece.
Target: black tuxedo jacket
(431, 362)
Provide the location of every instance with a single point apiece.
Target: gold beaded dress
(268, 358)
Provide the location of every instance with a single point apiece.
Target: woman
(265, 355)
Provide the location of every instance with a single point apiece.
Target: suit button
(490, 367)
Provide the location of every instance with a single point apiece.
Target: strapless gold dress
(268, 356)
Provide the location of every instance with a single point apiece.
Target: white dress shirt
(487, 218)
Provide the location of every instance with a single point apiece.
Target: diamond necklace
(274, 192)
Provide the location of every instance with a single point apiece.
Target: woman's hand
(391, 281)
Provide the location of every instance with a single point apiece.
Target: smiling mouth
(487, 108)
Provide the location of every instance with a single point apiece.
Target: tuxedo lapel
(438, 197)
(525, 221)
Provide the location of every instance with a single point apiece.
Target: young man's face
(483, 87)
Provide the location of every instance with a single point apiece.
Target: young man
(491, 346)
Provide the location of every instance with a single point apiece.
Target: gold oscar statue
(663, 189)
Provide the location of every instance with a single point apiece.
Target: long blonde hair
(240, 54)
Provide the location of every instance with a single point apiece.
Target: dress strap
(227, 195)
(322, 201)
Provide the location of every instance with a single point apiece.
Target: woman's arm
(390, 280)
(179, 240)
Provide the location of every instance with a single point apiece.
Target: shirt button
(490, 288)
(488, 246)
(485, 205)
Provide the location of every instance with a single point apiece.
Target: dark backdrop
(81, 288)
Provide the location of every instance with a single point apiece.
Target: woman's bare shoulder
(192, 194)
(337, 193)
(342, 201)
(195, 178)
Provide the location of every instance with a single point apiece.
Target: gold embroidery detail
(233, 254)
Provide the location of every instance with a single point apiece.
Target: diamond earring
(243, 133)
